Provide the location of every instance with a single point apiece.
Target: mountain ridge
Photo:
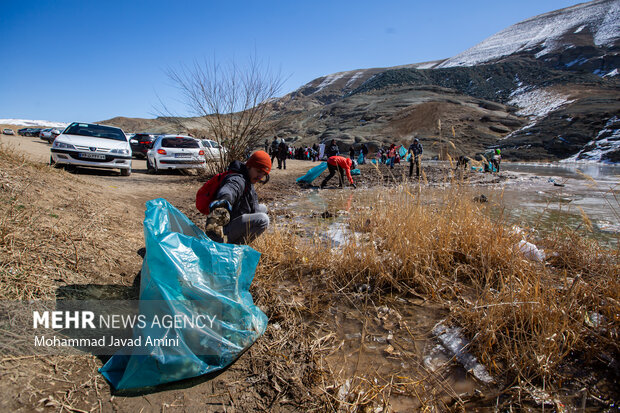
(545, 88)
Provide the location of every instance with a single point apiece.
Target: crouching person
(343, 166)
(236, 213)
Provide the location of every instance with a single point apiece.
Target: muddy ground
(280, 372)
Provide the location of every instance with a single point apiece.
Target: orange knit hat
(260, 160)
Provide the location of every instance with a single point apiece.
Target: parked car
(213, 150)
(32, 132)
(49, 134)
(55, 132)
(175, 152)
(92, 145)
(22, 131)
(141, 143)
(8, 131)
(46, 134)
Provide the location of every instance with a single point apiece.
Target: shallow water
(397, 342)
(548, 195)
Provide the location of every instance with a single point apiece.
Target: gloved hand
(220, 203)
(217, 218)
(354, 186)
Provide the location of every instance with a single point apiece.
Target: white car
(92, 145)
(213, 150)
(175, 152)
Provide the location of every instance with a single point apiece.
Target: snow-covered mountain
(596, 23)
(33, 123)
(546, 88)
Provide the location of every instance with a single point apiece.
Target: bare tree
(231, 102)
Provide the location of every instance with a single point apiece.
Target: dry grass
(51, 234)
(528, 322)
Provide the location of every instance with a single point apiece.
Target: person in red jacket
(342, 165)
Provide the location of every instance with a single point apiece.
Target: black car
(33, 132)
(22, 131)
(141, 143)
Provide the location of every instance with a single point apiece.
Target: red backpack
(206, 193)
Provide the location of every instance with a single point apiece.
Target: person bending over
(342, 165)
(236, 208)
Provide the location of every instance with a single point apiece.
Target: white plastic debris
(453, 341)
(531, 251)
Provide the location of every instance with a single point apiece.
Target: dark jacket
(237, 189)
(416, 149)
(332, 150)
(282, 150)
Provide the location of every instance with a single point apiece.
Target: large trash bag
(356, 172)
(313, 173)
(184, 273)
(360, 159)
(402, 151)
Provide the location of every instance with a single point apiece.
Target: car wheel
(126, 172)
(149, 167)
(53, 164)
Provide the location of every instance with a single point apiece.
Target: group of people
(235, 208)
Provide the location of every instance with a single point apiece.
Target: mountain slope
(542, 89)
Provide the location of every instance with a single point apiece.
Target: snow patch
(329, 79)
(612, 73)
(546, 30)
(29, 123)
(537, 103)
(356, 76)
(595, 150)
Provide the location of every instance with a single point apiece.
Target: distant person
(351, 153)
(391, 156)
(364, 151)
(343, 166)
(496, 159)
(332, 149)
(274, 148)
(282, 154)
(267, 145)
(236, 208)
(415, 149)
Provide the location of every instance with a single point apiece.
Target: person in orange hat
(236, 208)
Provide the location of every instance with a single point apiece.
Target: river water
(547, 195)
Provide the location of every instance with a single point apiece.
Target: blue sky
(93, 60)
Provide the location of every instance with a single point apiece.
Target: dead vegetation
(547, 332)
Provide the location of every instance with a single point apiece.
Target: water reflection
(541, 196)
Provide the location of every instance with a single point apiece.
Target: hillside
(542, 89)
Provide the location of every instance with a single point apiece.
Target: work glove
(219, 215)
(354, 186)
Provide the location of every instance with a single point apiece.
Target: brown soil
(278, 373)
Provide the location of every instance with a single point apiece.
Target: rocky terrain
(542, 89)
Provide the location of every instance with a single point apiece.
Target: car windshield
(179, 143)
(96, 131)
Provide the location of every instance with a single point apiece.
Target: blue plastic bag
(356, 172)
(360, 158)
(402, 151)
(185, 273)
(313, 173)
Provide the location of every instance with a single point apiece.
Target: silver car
(175, 152)
(213, 150)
